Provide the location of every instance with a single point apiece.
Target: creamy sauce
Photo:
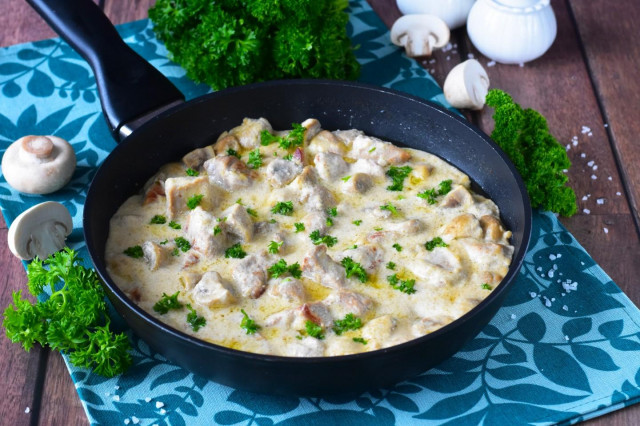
(373, 226)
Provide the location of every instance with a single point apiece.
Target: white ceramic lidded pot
(452, 12)
(512, 31)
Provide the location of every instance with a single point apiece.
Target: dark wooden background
(588, 78)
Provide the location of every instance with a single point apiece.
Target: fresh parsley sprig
(352, 268)
(398, 175)
(405, 286)
(167, 303)
(350, 322)
(317, 238)
(248, 324)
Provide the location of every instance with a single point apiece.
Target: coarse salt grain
(594, 177)
(583, 155)
(552, 257)
(470, 55)
(491, 63)
(135, 420)
(559, 255)
(127, 421)
(600, 201)
(163, 411)
(569, 286)
(585, 198)
(116, 398)
(566, 338)
(606, 125)
(533, 294)
(585, 129)
(618, 193)
(116, 387)
(591, 163)
(586, 211)
(159, 404)
(606, 230)
(568, 147)
(513, 316)
(147, 399)
(575, 143)
(27, 410)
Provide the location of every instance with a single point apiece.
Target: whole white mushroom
(38, 164)
(40, 231)
(420, 34)
(467, 85)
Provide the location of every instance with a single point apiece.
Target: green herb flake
(175, 252)
(398, 175)
(314, 330)
(397, 246)
(332, 212)
(134, 251)
(391, 208)
(273, 220)
(182, 244)
(436, 242)
(158, 220)
(346, 178)
(357, 222)
(360, 340)
(252, 212)
(294, 138)
(233, 153)
(288, 157)
(280, 268)
(486, 286)
(329, 221)
(167, 303)
(191, 172)
(299, 227)
(274, 247)
(350, 322)
(377, 228)
(372, 149)
(283, 207)
(430, 195)
(164, 242)
(317, 238)
(174, 225)
(353, 247)
(195, 321)
(255, 159)
(444, 187)
(354, 268)
(391, 265)
(405, 286)
(235, 252)
(194, 201)
(248, 324)
(217, 230)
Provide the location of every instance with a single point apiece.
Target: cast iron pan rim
(469, 316)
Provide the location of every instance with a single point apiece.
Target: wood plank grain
(614, 61)
(18, 369)
(60, 403)
(119, 11)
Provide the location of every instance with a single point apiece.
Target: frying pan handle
(129, 86)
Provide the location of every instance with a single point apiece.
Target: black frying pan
(132, 94)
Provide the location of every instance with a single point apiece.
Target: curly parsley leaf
(233, 153)
(360, 340)
(182, 244)
(195, 321)
(352, 268)
(134, 251)
(436, 242)
(313, 330)
(194, 201)
(191, 172)
(248, 324)
(283, 207)
(158, 220)
(255, 159)
(167, 303)
(274, 247)
(174, 225)
(280, 268)
(398, 175)
(299, 227)
(317, 238)
(235, 252)
(430, 195)
(294, 138)
(350, 322)
(405, 286)
(391, 208)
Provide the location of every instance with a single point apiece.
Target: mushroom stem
(467, 85)
(39, 146)
(420, 34)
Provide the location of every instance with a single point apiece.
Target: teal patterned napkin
(565, 347)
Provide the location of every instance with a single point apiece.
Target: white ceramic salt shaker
(452, 12)
(512, 31)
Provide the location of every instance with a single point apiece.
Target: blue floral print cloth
(565, 347)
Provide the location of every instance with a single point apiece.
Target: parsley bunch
(72, 320)
(227, 43)
(524, 135)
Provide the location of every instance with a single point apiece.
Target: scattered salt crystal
(432, 61)
(594, 177)
(582, 263)
(135, 420)
(550, 273)
(513, 316)
(470, 55)
(159, 404)
(559, 255)
(553, 299)
(432, 71)
(585, 198)
(539, 268)
(606, 125)
(575, 143)
(591, 163)
(448, 58)
(521, 64)
(585, 129)
(618, 193)
(547, 303)
(491, 63)
(563, 294)
(586, 211)
(570, 286)
(147, 399)
(606, 230)
(590, 134)
(583, 155)
(565, 308)
(107, 394)
(595, 167)
(555, 267)
(568, 147)
(610, 178)
(127, 421)
(600, 201)
(552, 257)
(566, 337)
(116, 398)
(565, 170)
(116, 387)
(533, 294)
(27, 410)
(163, 411)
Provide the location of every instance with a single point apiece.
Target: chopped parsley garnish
(436, 242)
(158, 220)
(288, 157)
(196, 322)
(398, 175)
(135, 252)
(167, 303)
(248, 324)
(255, 159)
(274, 247)
(182, 244)
(350, 322)
(377, 228)
(233, 152)
(283, 207)
(299, 226)
(174, 225)
(346, 178)
(372, 149)
(357, 222)
(391, 265)
(252, 212)
(352, 268)
(360, 340)
(390, 207)
(191, 172)
(235, 251)
(486, 286)
(273, 220)
(430, 195)
(217, 230)
(175, 252)
(194, 201)
(316, 239)
(239, 201)
(397, 246)
(332, 212)
(164, 242)
(293, 139)
(314, 330)
(405, 286)
(353, 247)
(329, 221)
(280, 268)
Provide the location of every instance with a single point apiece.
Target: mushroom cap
(428, 27)
(40, 231)
(38, 164)
(467, 85)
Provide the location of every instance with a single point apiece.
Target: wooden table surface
(589, 77)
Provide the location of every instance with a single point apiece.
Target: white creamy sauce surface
(425, 260)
